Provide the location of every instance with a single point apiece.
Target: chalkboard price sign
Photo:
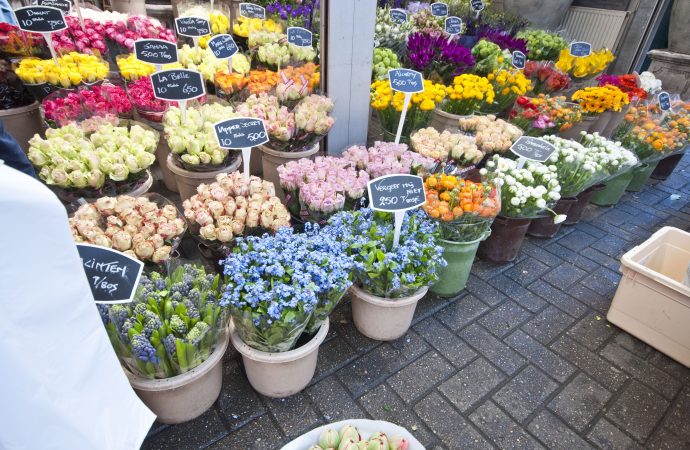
(519, 59)
(580, 49)
(223, 46)
(62, 5)
(453, 25)
(300, 37)
(177, 84)
(406, 80)
(532, 148)
(192, 26)
(112, 275)
(393, 193)
(242, 132)
(398, 16)
(40, 19)
(664, 101)
(155, 51)
(439, 9)
(477, 5)
(252, 11)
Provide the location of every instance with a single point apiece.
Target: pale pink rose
(230, 206)
(167, 230)
(170, 212)
(157, 240)
(134, 219)
(110, 231)
(241, 214)
(137, 238)
(102, 241)
(208, 232)
(252, 218)
(224, 220)
(218, 193)
(216, 208)
(203, 218)
(131, 229)
(124, 204)
(122, 241)
(144, 250)
(224, 233)
(237, 227)
(180, 225)
(87, 212)
(114, 221)
(241, 202)
(106, 205)
(161, 254)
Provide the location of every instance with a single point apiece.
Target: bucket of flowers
(388, 158)
(597, 102)
(467, 95)
(438, 59)
(543, 114)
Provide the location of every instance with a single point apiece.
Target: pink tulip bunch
(322, 197)
(89, 40)
(387, 158)
(312, 115)
(339, 172)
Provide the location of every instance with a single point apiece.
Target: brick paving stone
(527, 271)
(671, 367)
(294, 414)
(564, 276)
(602, 280)
(519, 294)
(471, 384)
(445, 342)
(666, 439)
(502, 430)
(558, 298)
(616, 216)
(548, 324)
(633, 345)
(525, 393)
(461, 313)
(554, 433)
(238, 402)
(492, 349)
(572, 256)
(487, 270)
(383, 403)
(453, 430)
(200, 432)
(505, 318)
(577, 241)
(598, 368)
(638, 410)
(534, 248)
(429, 305)
(599, 257)
(629, 232)
(411, 345)
(333, 354)
(590, 298)
(635, 366)
(580, 401)
(483, 291)
(540, 356)
(591, 230)
(371, 369)
(417, 378)
(612, 246)
(333, 401)
(261, 434)
(592, 331)
(607, 436)
(678, 418)
(345, 327)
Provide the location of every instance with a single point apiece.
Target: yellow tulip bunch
(508, 85)
(132, 69)
(72, 69)
(220, 24)
(586, 66)
(244, 26)
(596, 100)
(468, 94)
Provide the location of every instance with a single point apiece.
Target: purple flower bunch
(438, 59)
(503, 39)
(295, 12)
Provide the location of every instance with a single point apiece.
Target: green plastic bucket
(460, 256)
(640, 175)
(614, 190)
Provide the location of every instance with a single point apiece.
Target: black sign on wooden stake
(580, 49)
(113, 276)
(40, 19)
(439, 9)
(664, 101)
(406, 80)
(63, 5)
(453, 25)
(155, 51)
(252, 11)
(396, 193)
(192, 26)
(398, 16)
(519, 60)
(223, 46)
(532, 148)
(177, 84)
(477, 5)
(241, 132)
(300, 37)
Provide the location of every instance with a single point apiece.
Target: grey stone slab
(200, 432)
(554, 433)
(594, 300)
(471, 384)
(592, 331)
(598, 368)
(633, 345)
(670, 366)
(604, 260)
(612, 246)
(602, 280)
(640, 370)
(580, 401)
(505, 318)
(333, 354)
(540, 355)
(608, 437)
(487, 270)
(294, 414)
(445, 342)
(451, 428)
(331, 398)
(678, 418)
(527, 271)
(616, 216)
(420, 376)
(665, 439)
(577, 241)
(564, 276)
(534, 247)
(501, 429)
(483, 291)
(382, 403)
(572, 257)
(462, 312)
(238, 402)
(370, 369)
(519, 294)
(558, 298)
(492, 349)
(431, 304)
(341, 320)
(548, 324)
(525, 393)
(410, 345)
(260, 434)
(638, 410)
(591, 229)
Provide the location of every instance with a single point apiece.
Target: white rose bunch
(492, 135)
(650, 83)
(578, 168)
(390, 34)
(611, 156)
(442, 146)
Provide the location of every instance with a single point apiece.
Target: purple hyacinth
(143, 350)
(503, 40)
(435, 55)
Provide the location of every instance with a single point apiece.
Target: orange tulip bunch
(651, 135)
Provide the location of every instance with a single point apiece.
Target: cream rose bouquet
(492, 135)
(458, 147)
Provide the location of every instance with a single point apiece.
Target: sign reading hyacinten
(396, 193)
(439, 9)
(532, 148)
(242, 132)
(223, 46)
(398, 16)
(112, 275)
(300, 37)
(62, 5)
(40, 19)
(177, 84)
(406, 80)
(192, 26)
(155, 51)
(252, 11)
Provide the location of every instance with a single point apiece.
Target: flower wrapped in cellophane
(541, 115)
(174, 323)
(387, 158)
(492, 135)
(458, 147)
(584, 67)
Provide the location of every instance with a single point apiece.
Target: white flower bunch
(578, 168)
(204, 61)
(493, 135)
(440, 146)
(194, 140)
(650, 83)
(71, 158)
(525, 192)
(612, 158)
(388, 33)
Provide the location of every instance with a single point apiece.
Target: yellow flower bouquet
(389, 104)
(244, 26)
(508, 85)
(586, 67)
(468, 94)
(72, 70)
(596, 100)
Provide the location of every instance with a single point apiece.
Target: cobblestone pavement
(524, 358)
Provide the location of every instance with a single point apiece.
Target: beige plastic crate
(651, 302)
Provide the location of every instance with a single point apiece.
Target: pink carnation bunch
(387, 158)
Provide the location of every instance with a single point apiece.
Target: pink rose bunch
(387, 158)
(322, 196)
(225, 208)
(90, 40)
(339, 172)
(280, 122)
(136, 27)
(98, 101)
(141, 95)
(138, 227)
(312, 115)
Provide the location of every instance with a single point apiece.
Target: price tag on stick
(155, 51)
(300, 37)
(397, 194)
(193, 27)
(252, 11)
(223, 46)
(519, 60)
(113, 276)
(532, 149)
(664, 101)
(580, 49)
(477, 6)
(178, 85)
(439, 9)
(242, 133)
(398, 16)
(409, 82)
(453, 25)
(41, 19)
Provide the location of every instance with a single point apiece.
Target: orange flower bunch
(310, 71)
(262, 81)
(228, 84)
(651, 135)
